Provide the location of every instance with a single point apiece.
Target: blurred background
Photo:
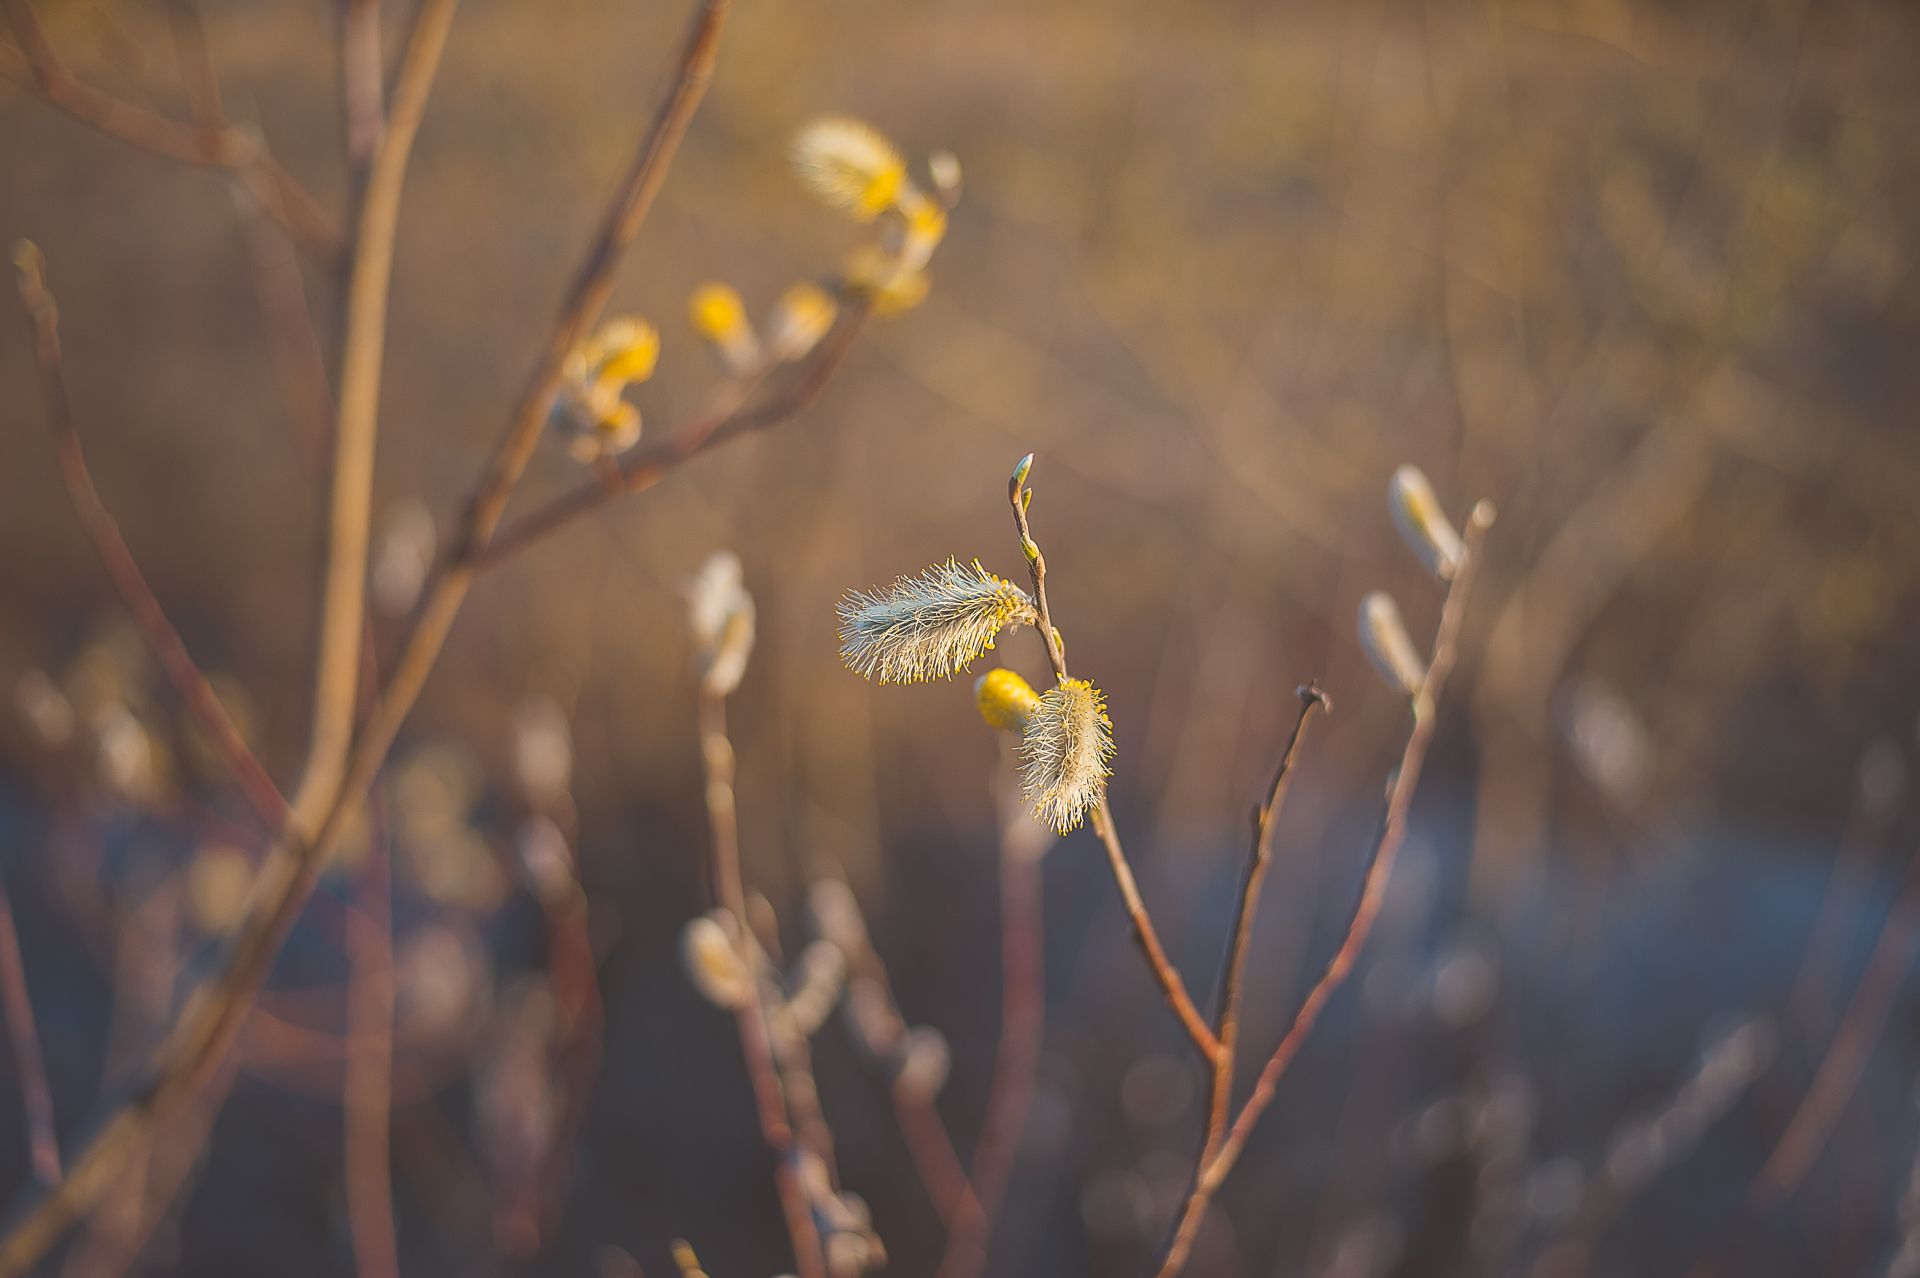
(1641, 273)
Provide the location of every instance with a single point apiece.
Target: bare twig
(356, 422)
(1366, 912)
(1164, 971)
(367, 1088)
(188, 682)
(576, 988)
(1839, 1070)
(35, 66)
(1022, 1016)
(1232, 986)
(729, 891)
(196, 64)
(937, 1163)
(35, 1096)
(362, 94)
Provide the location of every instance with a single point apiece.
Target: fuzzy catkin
(930, 626)
(1064, 754)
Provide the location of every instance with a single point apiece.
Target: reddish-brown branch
(36, 1097)
(937, 1162)
(1379, 871)
(1144, 933)
(1022, 1019)
(188, 682)
(1232, 967)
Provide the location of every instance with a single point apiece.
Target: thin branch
(367, 1085)
(1366, 912)
(36, 1097)
(937, 1162)
(1164, 971)
(576, 987)
(356, 421)
(35, 66)
(1232, 968)
(728, 417)
(756, 1045)
(362, 93)
(1833, 1082)
(189, 682)
(1022, 1020)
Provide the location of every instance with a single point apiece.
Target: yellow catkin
(1005, 700)
(849, 166)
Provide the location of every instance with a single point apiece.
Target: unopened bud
(1422, 524)
(714, 963)
(801, 319)
(1384, 637)
(1005, 700)
(924, 1064)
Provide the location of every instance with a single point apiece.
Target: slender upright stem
(756, 1045)
(1232, 968)
(1887, 969)
(1380, 861)
(1144, 933)
(356, 422)
(35, 1096)
(367, 1088)
(1022, 1018)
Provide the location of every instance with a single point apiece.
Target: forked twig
(37, 67)
(1232, 967)
(1380, 861)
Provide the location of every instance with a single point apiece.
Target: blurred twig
(1022, 1016)
(36, 66)
(1379, 871)
(1245, 908)
(1892, 958)
(367, 1088)
(188, 682)
(35, 1096)
(723, 831)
